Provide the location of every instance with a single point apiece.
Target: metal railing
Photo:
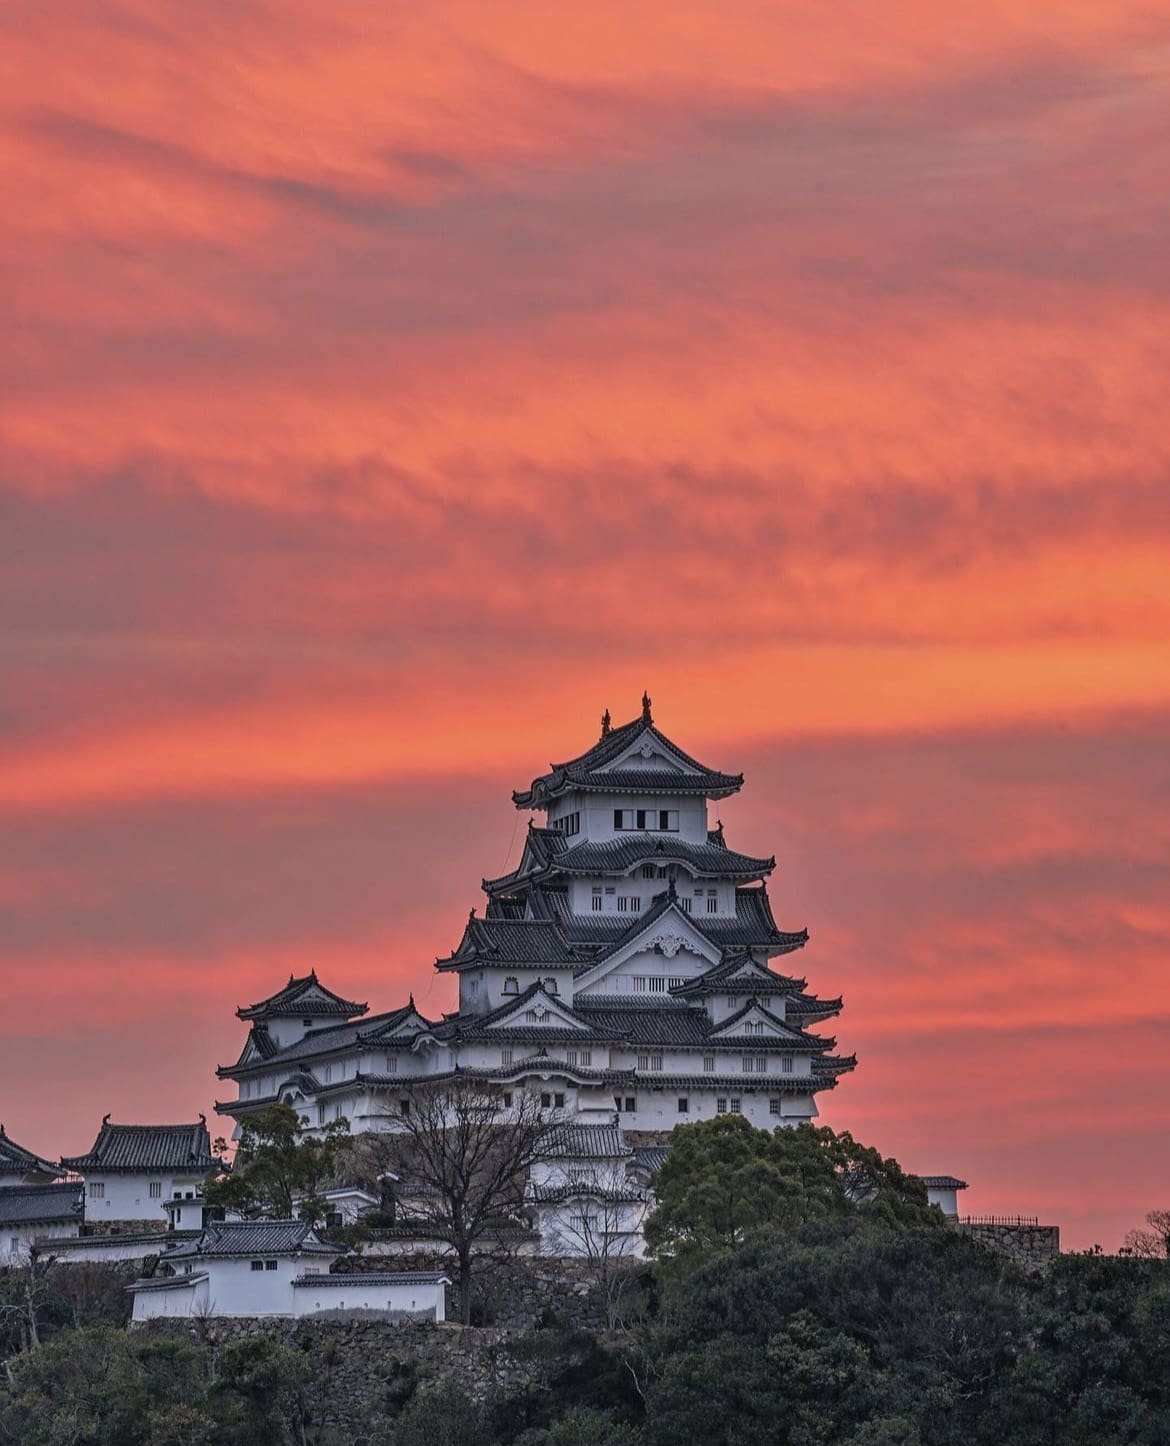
(1013, 1220)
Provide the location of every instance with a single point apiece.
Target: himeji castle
(629, 970)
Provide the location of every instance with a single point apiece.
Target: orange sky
(387, 390)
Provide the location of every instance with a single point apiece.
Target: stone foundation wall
(94, 1229)
(358, 1370)
(1031, 1246)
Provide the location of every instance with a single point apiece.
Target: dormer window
(511, 985)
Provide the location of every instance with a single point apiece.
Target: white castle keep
(624, 971)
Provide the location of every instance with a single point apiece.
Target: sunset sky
(388, 389)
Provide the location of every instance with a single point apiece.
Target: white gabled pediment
(763, 1025)
(549, 1013)
(647, 751)
(412, 1023)
(672, 936)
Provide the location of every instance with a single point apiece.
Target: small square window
(736, 1106)
(720, 1106)
(559, 1100)
(271, 1264)
(507, 1099)
(257, 1265)
(773, 1107)
(709, 1063)
(631, 1105)
(684, 1104)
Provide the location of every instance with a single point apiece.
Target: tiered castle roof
(635, 758)
(531, 927)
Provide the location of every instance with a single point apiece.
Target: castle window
(675, 982)
(391, 1064)
(650, 1062)
(97, 1190)
(257, 1265)
(721, 1106)
(328, 1073)
(656, 984)
(639, 983)
(668, 820)
(404, 1108)
(712, 904)
(507, 1099)
(586, 1056)
(156, 1189)
(270, 1264)
(623, 904)
(736, 1108)
(647, 871)
(623, 818)
(685, 905)
(626, 1105)
(550, 985)
(709, 1063)
(684, 1104)
(755, 1063)
(773, 1107)
(596, 901)
(569, 823)
(635, 905)
(505, 1057)
(570, 1056)
(511, 985)
(786, 1064)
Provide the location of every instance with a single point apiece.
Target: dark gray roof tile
(147, 1147)
(40, 1204)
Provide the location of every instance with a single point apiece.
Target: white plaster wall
(658, 1110)
(128, 1197)
(416, 1297)
(16, 1240)
(597, 815)
(946, 1200)
(187, 1299)
(234, 1288)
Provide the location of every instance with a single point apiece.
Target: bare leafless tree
(29, 1286)
(1152, 1242)
(602, 1226)
(463, 1155)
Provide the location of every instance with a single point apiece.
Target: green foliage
(277, 1163)
(96, 1386)
(813, 1300)
(725, 1183)
(442, 1417)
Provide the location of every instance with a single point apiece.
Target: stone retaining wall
(359, 1370)
(1032, 1246)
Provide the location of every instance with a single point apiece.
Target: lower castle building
(629, 971)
